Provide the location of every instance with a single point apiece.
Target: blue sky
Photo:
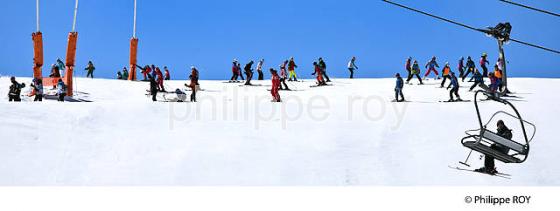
(210, 33)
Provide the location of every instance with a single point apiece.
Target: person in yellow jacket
(445, 72)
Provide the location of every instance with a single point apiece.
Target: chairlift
(482, 139)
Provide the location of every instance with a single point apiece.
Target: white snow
(346, 134)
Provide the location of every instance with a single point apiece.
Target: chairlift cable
(531, 8)
(469, 27)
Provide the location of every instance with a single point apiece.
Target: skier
(125, 73)
(478, 79)
(494, 83)
(275, 86)
(292, 70)
(167, 75)
(408, 67)
(146, 70)
(249, 73)
(445, 74)
(431, 65)
(259, 70)
(283, 76)
(159, 76)
(154, 72)
(239, 70)
(455, 90)
(15, 90)
(119, 75)
(90, 68)
(461, 67)
(55, 72)
(498, 74)
(323, 66)
(470, 68)
(352, 66)
(60, 65)
(234, 71)
(398, 88)
(415, 71)
(194, 83)
(489, 165)
(153, 87)
(319, 73)
(61, 90)
(37, 86)
(483, 62)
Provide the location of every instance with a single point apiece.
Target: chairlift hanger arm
(469, 27)
(531, 8)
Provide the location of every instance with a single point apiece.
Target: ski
(315, 86)
(455, 101)
(498, 174)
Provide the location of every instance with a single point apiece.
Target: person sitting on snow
(119, 75)
(489, 165)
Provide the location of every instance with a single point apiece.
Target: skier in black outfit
(398, 88)
(153, 87)
(249, 72)
(15, 90)
(489, 165)
(323, 66)
(239, 71)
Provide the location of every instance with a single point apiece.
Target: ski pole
(466, 160)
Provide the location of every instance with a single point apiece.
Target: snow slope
(346, 134)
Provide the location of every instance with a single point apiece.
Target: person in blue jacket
(61, 90)
(398, 88)
(478, 79)
(455, 88)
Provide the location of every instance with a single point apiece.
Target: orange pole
(133, 58)
(70, 61)
(37, 54)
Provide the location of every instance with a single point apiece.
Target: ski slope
(341, 135)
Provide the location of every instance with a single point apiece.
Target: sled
(482, 139)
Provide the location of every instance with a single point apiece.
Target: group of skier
(413, 69)
(156, 84)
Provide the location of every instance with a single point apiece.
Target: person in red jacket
(275, 86)
(159, 75)
(319, 73)
(167, 75)
(194, 83)
(235, 72)
(146, 70)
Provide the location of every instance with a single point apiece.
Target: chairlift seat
(492, 137)
(486, 150)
